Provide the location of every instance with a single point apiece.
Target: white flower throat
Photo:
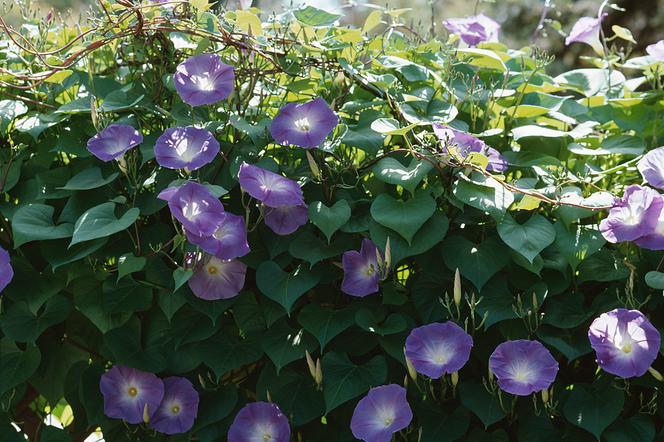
(303, 124)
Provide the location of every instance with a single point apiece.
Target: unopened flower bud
(388, 255)
(146, 414)
(409, 365)
(311, 364)
(545, 395)
(315, 170)
(457, 287)
(656, 374)
(455, 378)
(319, 373)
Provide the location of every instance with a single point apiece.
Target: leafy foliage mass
(101, 268)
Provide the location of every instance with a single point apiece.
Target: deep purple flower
(203, 79)
(651, 167)
(258, 422)
(381, 413)
(362, 272)
(6, 270)
(305, 125)
(215, 278)
(473, 30)
(632, 216)
(196, 208)
(114, 141)
(625, 342)
(270, 188)
(227, 242)
(523, 367)
(130, 394)
(587, 30)
(465, 143)
(656, 50)
(178, 408)
(437, 349)
(185, 148)
(285, 220)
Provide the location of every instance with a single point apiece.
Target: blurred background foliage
(519, 18)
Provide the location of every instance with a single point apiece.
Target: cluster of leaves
(100, 267)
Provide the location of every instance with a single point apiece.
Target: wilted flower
(228, 241)
(632, 216)
(523, 367)
(6, 270)
(130, 394)
(587, 30)
(305, 125)
(473, 30)
(381, 413)
(625, 342)
(270, 188)
(178, 408)
(258, 422)
(114, 141)
(185, 148)
(362, 272)
(203, 79)
(465, 143)
(651, 167)
(215, 278)
(195, 207)
(285, 220)
(437, 349)
(656, 50)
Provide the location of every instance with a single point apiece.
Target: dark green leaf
(100, 222)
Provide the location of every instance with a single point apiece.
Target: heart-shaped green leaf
(35, 223)
(284, 288)
(344, 380)
(313, 249)
(129, 263)
(329, 219)
(577, 244)
(477, 262)
(593, 408)
(324, 323)
(404, 217)
(89, 179)
(529, 238)
(100, 222)
(483, 193)
(283, 344)
(655, 280)
(391, 171)
(431, 233)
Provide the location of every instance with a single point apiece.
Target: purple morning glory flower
(625, 342)
(215, 278)
(228, 241)
(129, 394)
(651, 167)
(6, 270)
(656, 50)
(523, 367)
(185, 148)
(473, 30)
(466, 143)
(587, 30)
(305, 125)
(203, 79)
(285, 220)
(258, 422)
(653, 239)
(362, 273)
(270, 188)
(437, 349)
(178, 408)
(196, 208)
(114, 141)
(381, 413)
(633, 216)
